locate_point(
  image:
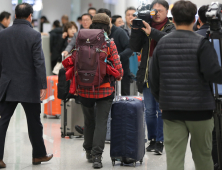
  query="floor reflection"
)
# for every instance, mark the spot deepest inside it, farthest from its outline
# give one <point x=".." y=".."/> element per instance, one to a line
<point x="68" y="153"/>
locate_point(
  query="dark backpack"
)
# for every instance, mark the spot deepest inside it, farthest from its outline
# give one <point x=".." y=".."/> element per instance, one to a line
<point x="91" y="53"/>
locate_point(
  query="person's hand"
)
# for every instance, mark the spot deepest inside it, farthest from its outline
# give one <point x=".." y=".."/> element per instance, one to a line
<point x="65" y="53"/>
<point x="119" y="79"/>
<point x="147" y="30"/>
<point x="42" y="94"/>
<point x="131" y="21"/>
<point x="64" y="35"/>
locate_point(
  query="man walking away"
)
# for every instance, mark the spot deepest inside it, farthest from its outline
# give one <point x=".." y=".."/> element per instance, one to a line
<point x="23" y="80"/>
<point x="183" y="67"/>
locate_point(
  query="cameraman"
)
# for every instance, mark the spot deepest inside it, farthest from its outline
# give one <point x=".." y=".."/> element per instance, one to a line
<point x="203" y="21"/>
<point x="183" y="67"/>
<point x="146" y="42"/>
<point x="203" y="31"/>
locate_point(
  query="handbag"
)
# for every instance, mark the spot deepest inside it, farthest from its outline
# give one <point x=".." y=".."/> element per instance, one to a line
<point x="57" y="67"/>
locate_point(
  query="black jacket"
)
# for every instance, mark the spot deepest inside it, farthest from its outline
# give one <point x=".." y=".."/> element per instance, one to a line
<point x="60" y="47"/>
<point x="55" y="36"/>
<point x="2" y="27"/>
<point x="183" y="67"/>
<point x="203" y="30"/>
<point x="121" y="40"/>
<point x="139" y="41"/>
<point x="23" y="63"/>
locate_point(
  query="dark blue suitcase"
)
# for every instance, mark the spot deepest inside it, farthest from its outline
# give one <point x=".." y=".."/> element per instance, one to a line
<point x="127" y="131"/>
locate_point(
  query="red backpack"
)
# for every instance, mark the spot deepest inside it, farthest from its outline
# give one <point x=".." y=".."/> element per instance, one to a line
<point x="90" y="54"/>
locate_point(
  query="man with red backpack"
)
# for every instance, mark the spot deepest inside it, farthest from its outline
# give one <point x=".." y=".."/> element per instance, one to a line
<point x="93" y="68"/>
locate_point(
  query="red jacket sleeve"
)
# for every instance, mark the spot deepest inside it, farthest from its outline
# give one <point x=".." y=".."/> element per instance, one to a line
<point x="115" y="58"/>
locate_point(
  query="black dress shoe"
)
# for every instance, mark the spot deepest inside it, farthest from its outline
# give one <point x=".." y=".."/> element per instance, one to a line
<point x="37" y="161"/>
<point x="2" y="164"/>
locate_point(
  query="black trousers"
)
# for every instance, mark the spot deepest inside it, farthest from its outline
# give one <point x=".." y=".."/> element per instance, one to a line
<point x="35" y="128"/>
<point x="96" y="112"/>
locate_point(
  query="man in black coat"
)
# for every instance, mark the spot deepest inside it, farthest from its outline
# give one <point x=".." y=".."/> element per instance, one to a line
<point x="182" y="71"/>
<point x="23" y="80"/>
<point x="121" y="40"/>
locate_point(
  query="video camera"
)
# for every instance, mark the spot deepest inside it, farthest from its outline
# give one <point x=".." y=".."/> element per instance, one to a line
<point x="214" y="16"/>
<point x="145" y="13"/>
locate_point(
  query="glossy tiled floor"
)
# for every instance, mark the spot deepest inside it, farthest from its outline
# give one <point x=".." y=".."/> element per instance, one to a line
<point x="68" y="153"/>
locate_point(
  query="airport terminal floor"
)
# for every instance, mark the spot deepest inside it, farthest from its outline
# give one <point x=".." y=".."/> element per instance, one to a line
<point x="68" y="153"/>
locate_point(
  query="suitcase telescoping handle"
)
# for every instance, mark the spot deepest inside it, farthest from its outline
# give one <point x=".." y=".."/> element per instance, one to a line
<point x="117" y="90"/>
<point x="63" y="58"/>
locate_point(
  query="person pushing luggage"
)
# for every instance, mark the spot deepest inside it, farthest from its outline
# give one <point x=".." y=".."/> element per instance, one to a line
<point x="93" y="68"/>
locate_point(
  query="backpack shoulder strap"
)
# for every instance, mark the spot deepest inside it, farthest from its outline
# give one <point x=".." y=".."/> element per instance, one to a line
<point x="108" y="43"/>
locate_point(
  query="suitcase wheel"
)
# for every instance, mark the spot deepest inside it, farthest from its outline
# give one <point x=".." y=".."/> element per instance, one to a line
<point x="58" y="116"/>
<point x="45" y="116"/>
<point x="62" y="135"/>
<point x="113" y="162"/>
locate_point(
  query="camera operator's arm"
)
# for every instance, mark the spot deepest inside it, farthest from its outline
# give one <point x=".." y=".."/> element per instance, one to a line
<point x="156" y="34"/>
<point x="124" y="41"/>
<point x="209" y="64"/>
<point x="154" y="75"/>
<point x="137" y="40"/>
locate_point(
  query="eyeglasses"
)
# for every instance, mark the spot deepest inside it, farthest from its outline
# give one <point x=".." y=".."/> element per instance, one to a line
<point x="86" y="20"/>
<point x="159" y="10"/>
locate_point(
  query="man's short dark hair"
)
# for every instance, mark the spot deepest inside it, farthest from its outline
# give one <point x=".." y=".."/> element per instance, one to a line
<point x="79" y="18"/>
<point x="22" y="11"/>
<point x="92" y="8"/>
<point x="106" y="11"/>
<point x="87" y="14"/>
<point x="202" y="13"/>
<point x="161" y="2"/>
<point x="115" y="17"/>
<point x="184" y="12"/>
<point x="130" y="8"/>
<point x="56" y="23"/>
<point x="3" y="15"/>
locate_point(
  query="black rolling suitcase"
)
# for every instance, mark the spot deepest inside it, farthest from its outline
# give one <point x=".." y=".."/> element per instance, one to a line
<point x="127" y="130"/>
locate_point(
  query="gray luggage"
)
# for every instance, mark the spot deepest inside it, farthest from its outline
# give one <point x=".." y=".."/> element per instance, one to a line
<point x="71" y="116"/>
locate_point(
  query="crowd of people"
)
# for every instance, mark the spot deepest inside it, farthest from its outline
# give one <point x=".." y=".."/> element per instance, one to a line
<point x="176" y="69"/>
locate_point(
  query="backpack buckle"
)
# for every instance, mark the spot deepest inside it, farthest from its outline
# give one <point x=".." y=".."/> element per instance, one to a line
<point x="98" y="50"/>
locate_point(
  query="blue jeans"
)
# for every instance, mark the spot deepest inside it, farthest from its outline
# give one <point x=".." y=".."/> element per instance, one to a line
<point x="153" y="115"/>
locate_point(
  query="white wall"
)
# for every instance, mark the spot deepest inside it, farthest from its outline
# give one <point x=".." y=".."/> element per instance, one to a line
<point x="6" y="5"/>
<point x="54" y="9"/>
<point x="95" y="3"/>
<point x="199" y="3"/>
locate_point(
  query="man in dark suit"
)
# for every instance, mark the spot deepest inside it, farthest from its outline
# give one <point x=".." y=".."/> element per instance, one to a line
<point x="23" y="80"/>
